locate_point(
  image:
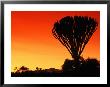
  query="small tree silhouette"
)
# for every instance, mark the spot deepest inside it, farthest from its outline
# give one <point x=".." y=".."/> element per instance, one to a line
<point x="74" y="33"/>
<point x="23" y="69"/>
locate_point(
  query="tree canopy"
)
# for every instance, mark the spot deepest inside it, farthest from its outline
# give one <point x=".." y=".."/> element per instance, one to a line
<point x="74" y="32"/>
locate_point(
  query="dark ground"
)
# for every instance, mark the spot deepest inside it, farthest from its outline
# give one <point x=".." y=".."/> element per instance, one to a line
<point x="86" y="68"/>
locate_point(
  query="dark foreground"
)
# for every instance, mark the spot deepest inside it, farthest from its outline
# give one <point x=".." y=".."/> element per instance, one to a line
<point x="86" y="68"/>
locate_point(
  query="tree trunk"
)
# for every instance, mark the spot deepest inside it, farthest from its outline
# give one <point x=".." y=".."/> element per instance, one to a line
<point x="76" y="61"/>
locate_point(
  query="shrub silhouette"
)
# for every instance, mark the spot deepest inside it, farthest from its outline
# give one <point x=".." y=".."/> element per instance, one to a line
<point x="87" y="67"/>
<point x="91" y="67"/>
<point x="74" y="33"/>
<point x="68" y="65"/>
<point x="22" y="69"/>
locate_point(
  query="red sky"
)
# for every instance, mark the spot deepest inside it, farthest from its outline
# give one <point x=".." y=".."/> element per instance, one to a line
<point x="33" y="44"/>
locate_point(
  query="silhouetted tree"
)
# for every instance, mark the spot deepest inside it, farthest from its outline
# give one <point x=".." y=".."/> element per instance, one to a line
<point x="37" y="68"/>
<point x="74" y="33"/>
<point x="23" y="68"/>
<point x="15" y="69"/>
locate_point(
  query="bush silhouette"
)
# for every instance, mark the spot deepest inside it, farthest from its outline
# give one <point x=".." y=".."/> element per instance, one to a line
<point x="87" y="67"/>
<point x="91" y="66"/>
<point x="68" y="65"/>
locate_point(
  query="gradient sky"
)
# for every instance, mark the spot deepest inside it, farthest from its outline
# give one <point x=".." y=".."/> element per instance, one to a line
<point x="33" y="44"/>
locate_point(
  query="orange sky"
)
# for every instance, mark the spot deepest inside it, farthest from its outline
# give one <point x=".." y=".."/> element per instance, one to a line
<point x="33" y="44"/>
